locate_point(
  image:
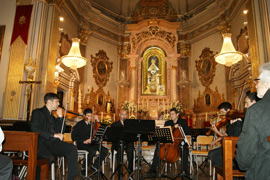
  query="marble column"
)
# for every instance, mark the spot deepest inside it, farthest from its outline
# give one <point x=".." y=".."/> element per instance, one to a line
<point x="132" y="88"/>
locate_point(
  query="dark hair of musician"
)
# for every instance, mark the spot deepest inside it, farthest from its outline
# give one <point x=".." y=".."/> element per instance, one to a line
<point x="87" y="110"/>
<point x="225" y="105"/>
<point x="252" y="96"/>
<point x="50" y="96"/>
<point x="175" y="110"/>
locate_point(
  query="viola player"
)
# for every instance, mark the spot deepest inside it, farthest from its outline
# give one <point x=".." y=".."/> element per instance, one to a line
<point x="81" y="134"/>
<point x="50" y="137"/>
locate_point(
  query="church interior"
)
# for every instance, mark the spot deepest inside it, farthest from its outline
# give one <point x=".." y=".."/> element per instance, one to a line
<point x="145" y="56"/>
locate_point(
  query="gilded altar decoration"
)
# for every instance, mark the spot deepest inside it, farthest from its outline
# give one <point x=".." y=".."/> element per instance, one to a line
<point x="177" y="106"/>
<point x="101" y="68"/>
<point x="30" y="67"/>
<point x="154" y="72"/>
<point x="107" y="120"/>
<point x="156" y="32"/>
<point x="206" y="67"/>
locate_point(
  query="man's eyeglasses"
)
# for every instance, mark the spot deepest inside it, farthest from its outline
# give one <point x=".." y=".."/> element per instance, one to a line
<point x="256" y="81"/>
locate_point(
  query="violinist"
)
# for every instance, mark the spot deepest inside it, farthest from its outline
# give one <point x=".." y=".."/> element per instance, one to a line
<point x="233" y="128"/>
<point x="128" y="146"/>
<point x="175" y="122"/>
<point x="50" y="138"/>
<point x="81" y="134"/>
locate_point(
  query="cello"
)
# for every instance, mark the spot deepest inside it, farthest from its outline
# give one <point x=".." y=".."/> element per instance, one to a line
<point x="170" y="152"/>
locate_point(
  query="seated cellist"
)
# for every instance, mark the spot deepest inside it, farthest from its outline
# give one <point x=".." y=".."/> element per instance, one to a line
<point x="175" y="121"/>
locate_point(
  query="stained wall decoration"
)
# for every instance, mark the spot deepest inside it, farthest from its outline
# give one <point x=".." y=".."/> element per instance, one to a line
<point x="102" y="68"/>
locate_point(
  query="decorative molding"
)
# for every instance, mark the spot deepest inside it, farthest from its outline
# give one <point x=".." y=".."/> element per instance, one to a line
<point x="208" y="101"/>
<point x="156" y="32"/>
<point x="101" y="68"/>
<point x="242" y="41"/>
<point x="206" y="67"/>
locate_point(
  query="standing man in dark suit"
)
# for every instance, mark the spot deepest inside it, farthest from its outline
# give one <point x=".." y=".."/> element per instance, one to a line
<point x="128" y="147"/>
<point x="253" y="148"/>
<point x="50" y="142"/>
<point x="175" y="121"/>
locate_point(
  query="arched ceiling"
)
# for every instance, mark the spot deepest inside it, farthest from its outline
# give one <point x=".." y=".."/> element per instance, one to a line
<point x="118" y="9"/>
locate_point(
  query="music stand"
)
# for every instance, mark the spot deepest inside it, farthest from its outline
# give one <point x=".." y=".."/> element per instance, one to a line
<point x="116" y="135"/>
<point x="98" y="139"/>
<point x="162" y="135"/>
<point x="184" y="141"/>
<point x="139" y="127"/>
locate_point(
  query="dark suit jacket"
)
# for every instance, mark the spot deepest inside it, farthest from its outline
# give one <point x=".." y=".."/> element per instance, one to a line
<point x="46" y="124"/>
<point x="181" y="122"/>
<point x="253" y="148"/>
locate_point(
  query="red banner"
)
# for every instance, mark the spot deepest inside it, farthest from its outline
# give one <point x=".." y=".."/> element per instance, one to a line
<point x="21" y="23"/>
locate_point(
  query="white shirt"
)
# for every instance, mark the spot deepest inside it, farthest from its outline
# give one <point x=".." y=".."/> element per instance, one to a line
<point x="2" y="137"/>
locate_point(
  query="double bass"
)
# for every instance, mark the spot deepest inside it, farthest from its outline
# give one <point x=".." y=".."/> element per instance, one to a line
<point x="170" y="152"/>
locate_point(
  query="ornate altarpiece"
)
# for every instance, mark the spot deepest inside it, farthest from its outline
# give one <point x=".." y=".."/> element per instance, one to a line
<point x="153" y="44"/>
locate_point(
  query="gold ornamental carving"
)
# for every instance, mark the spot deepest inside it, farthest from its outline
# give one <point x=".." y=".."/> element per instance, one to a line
<point x="206" y="67"/>
<point x="102" y="68"/>
<point x="208" y="101"/>
<point x="153" y="31"/>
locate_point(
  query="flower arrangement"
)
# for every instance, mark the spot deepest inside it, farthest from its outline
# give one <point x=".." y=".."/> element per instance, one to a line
<point x="129" y="106"/>
<point x="177" y="106"/>
<point x="107" y="120"/>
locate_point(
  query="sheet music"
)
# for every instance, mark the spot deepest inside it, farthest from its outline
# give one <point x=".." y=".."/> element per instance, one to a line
<point x="183" y="135"/>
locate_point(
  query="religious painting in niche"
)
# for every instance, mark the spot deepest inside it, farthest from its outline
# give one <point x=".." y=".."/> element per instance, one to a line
<point x="206" y="67"/>
<point x="102" y="68"/>
<point x="100" y="99"/>
<point x="207" y="100"/>
<point x="243" y="41"/>
<point x="153" y="72"/>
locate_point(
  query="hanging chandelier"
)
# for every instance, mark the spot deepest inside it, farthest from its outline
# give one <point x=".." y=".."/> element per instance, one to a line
<point x="74" y="58"/>
<point x="228" y="55"/>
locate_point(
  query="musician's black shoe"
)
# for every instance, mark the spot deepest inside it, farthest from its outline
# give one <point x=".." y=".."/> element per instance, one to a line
<point x="151" y="172"/>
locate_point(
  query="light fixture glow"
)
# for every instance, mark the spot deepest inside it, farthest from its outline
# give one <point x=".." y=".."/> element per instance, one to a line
<point x="245" y="11"/>
<point x="228" y="55"/>
<point x="74" y="58"/>
<point x="61" y="18"/>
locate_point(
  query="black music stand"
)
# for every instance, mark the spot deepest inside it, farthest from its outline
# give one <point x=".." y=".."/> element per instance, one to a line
<point x="116" y="135"/>
<point x="184" y="141"/>
<point x="139" y="127"/>
<point x="162" y="135"/>
<point x="98" y="139"/>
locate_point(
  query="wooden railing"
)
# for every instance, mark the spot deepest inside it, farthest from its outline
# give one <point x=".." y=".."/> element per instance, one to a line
<point x="26" y="141"/>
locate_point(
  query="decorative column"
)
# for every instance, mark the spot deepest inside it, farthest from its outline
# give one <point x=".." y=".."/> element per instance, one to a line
<point x="133" y="65"/>
<point x="173" y="79"/>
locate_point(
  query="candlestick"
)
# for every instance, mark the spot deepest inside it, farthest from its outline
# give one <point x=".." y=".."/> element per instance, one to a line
<point x="205" y="116"/>
<point x="113" y="117"/>
<point x="101" y="116"/>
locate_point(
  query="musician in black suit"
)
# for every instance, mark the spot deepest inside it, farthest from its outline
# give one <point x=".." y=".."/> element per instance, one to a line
<point x="50" y="137"/>
<point x="128" y="146"/>
<point x="81" y="134"/>
<point x="175" y="121"/>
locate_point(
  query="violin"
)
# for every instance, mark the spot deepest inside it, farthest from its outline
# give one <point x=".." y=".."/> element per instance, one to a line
<point x="232" y="114"/>
<point x="170" y="152"/>
<point x="69" y="114"/>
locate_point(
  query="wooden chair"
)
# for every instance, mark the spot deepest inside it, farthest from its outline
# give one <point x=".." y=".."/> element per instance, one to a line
<point x="229" y="148"/>
<point x="26" y="141"/>
<point x="203" y="141"/>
